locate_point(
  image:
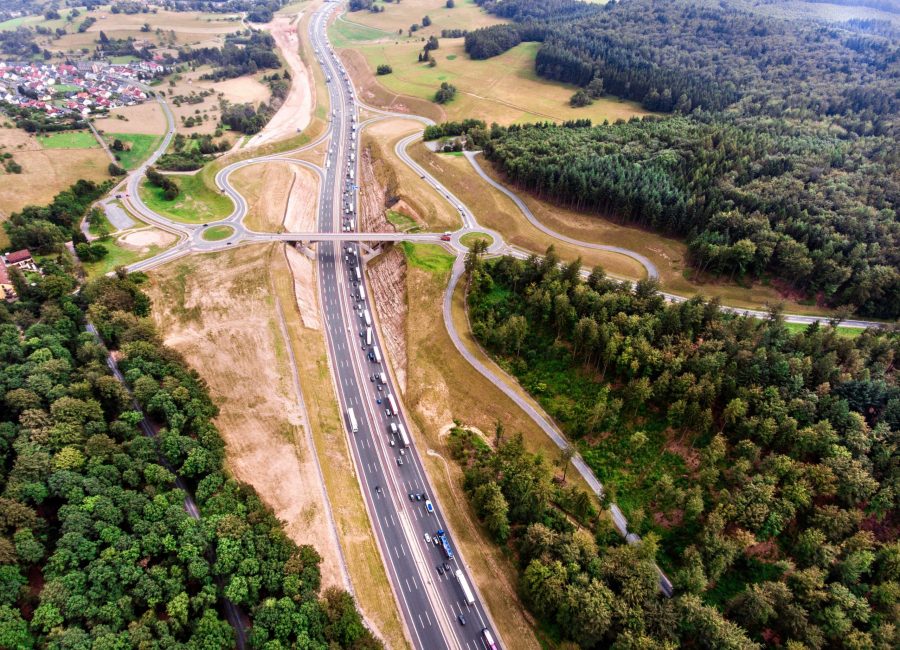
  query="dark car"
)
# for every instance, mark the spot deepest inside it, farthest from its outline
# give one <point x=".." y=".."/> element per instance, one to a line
<point x="461" y="619"/>
<point x="447" y="567"/>
<point x="440" y="570"/>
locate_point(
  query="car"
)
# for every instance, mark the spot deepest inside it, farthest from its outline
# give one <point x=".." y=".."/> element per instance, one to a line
<point x="391" y="441"/>
<point x="440" y="570"/>
<point x="447" y="567"/>
<point x="378" y="489"/>
<point x="418" y="497"/>
<point x="445" y="236"/>
<point x="399" y="460"/>
<point x="461" y="619"/>
<point x="436" y="540"/>
<point x="427" y="538"/>
<point x="412" y="497"/>
<point x="402" y="452"/>
<point x="429" y="507"/>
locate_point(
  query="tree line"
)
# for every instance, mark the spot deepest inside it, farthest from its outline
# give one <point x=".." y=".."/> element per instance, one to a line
<point x="243" y="53"/>
<point x="258" y="11"/>
<point x="683" y="55"/>
<point x="759" y="464"/>
<point x="753" y="196"/>
<point x="44" y="230"/>
<point x="96" y="547"/>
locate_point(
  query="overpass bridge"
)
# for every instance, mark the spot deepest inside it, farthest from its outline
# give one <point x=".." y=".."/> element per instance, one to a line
<point x="354" y="237"/>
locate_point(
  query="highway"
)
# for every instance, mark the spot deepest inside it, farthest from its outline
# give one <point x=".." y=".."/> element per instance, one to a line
<point x="430" y="601"/>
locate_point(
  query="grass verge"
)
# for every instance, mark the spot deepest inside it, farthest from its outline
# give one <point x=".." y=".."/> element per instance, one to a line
<point x="218" y="233"/>
<point x="497" y="212"/>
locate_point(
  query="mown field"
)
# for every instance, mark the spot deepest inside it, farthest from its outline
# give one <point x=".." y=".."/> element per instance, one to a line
<point x="504" y="89"/>
<point x="68" y="140"/>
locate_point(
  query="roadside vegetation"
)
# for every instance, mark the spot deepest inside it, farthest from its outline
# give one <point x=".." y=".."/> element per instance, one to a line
<point x="755" y="462"/>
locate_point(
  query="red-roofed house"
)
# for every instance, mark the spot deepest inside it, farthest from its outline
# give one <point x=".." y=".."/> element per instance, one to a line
<point x="21" y="259"/>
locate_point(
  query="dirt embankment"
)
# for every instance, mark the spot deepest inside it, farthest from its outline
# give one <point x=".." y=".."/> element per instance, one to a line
<point x="374" y="94"/>
<point x="387" y="279"/>
<point x="378" y="184"/>
<point x="302" y="202"/>
<point x="381" y="190"/>
<point x="296" y="111"/>
<point x="304" y="287"/>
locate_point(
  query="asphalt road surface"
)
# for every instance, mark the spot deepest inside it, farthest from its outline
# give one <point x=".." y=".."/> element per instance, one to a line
<point x="431" y="602"/>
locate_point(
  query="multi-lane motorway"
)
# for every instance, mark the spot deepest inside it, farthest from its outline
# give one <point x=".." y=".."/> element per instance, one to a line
<point x="432" y="602"/>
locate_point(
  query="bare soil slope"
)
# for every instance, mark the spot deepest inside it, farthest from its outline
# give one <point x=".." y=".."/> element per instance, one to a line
<point x="387" y="279"/>
<point x="296" y="111"/>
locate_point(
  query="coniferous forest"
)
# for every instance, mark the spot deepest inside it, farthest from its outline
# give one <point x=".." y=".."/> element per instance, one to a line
<point x="758" y="463"/>
<point x="781" y="158"/>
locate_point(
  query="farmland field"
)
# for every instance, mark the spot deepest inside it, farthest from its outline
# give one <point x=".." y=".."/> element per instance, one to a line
<point x="175" y="29"/>
<point x="504" y="89"/>
<point x="140" y="118"/>
<point x="45" y="172"/>
<point x="68" y="140"/>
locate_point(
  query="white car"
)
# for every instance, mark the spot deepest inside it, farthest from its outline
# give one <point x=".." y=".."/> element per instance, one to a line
<point x="427" y="538"/>
<point x="429" y="507"/>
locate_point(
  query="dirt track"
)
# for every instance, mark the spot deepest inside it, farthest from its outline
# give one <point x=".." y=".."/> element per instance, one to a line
<point x="296" y="111"/>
